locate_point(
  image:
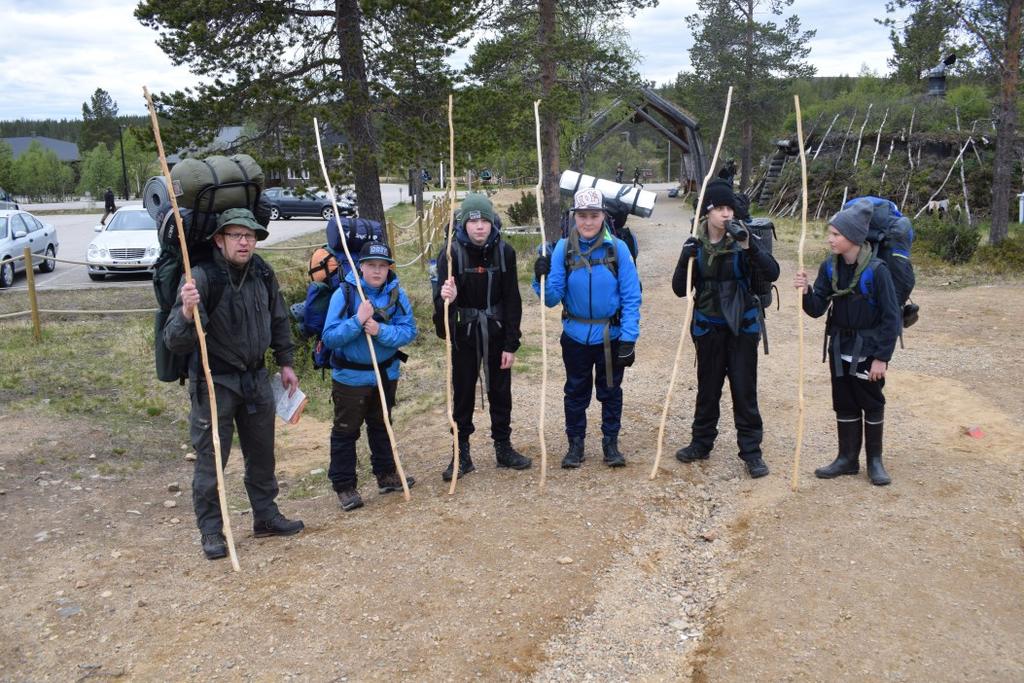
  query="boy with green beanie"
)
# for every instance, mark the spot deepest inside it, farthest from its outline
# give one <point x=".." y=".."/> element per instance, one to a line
<point x="485" y="313"/>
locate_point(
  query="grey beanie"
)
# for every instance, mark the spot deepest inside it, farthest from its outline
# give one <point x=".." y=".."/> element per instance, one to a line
<point x="852" y="223"/>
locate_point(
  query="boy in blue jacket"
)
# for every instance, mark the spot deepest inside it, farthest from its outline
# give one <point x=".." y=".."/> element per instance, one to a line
<point x="592" y="275"/>
<point x="387" y="316"/>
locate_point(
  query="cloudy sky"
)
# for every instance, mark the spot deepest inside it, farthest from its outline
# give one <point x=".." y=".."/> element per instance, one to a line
<point x="57" y="52"/>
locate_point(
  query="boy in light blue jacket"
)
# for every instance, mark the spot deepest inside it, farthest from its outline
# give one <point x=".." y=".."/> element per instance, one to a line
<point x="592" y="275"/>
<point x="387" y="316"/>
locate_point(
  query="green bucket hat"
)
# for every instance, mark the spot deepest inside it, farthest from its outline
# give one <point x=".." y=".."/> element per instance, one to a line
<point x="476" y="206"/>
<point x="244" y="218"/>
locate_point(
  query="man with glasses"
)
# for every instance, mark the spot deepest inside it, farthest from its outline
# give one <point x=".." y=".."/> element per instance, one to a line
<point x="243" y="314"/>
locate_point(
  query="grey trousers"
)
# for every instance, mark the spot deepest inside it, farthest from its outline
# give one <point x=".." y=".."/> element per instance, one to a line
<point x="255" y="422"/>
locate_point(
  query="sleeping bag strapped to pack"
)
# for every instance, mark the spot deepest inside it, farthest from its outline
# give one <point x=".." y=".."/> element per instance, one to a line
<point x="891" y="236"/>
<point x="217" y="183"/>
<point x="356" y="232"/>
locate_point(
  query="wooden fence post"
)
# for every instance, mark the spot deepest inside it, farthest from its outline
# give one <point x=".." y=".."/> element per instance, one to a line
<point x="30" y="278"/>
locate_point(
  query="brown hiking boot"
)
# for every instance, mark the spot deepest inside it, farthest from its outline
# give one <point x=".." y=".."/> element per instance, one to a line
<point x="349" y="499"/>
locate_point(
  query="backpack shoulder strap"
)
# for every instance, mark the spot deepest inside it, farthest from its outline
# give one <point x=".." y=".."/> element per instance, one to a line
<point x="216" y="281"/>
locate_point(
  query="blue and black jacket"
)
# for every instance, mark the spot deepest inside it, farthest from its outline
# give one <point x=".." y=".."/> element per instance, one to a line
<point x="721" y="278"/>
<point x="350" y="357"/>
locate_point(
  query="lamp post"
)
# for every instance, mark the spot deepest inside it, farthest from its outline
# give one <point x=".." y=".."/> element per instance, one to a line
<point x="124" y="167"/>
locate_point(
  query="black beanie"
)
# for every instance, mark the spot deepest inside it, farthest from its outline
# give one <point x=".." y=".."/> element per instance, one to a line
<point x="718" y="193"/>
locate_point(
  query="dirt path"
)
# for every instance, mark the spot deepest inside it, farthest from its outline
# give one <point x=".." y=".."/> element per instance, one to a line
<point x="701" y="573"/>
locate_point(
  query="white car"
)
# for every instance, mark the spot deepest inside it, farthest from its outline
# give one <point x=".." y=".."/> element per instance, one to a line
<point x="20" y="229"/>
<point x="129" y="243"/>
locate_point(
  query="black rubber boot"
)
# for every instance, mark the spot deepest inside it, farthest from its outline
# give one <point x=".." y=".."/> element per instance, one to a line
<point x="574" y="456"/>
<point x="510" y="457"/>
<point x="612" y="456"/>
<point x="873" y="450"/>
<point x="847" y="462"/>
<point x="214" y="546"/>
<point x="465" y="463"/>
<point x="691" y="453"/>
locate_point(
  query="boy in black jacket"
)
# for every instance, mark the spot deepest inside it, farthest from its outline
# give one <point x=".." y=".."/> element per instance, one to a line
<point x="485" y="312"/>
<point x="726" y="325"/>
<point x="862" y="327"/>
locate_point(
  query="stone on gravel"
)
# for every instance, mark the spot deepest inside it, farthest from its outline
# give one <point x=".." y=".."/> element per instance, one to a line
<point x="170" y="503"/>
<point x="565" y="560"/>
<point x="190" y="457"/>
<point x="173" y="487"/>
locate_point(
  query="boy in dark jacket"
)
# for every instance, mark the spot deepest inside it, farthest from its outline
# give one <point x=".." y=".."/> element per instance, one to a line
<point x="485" y="312"/>
<point x="726" y="325"/>
<point x="862" y="328"/>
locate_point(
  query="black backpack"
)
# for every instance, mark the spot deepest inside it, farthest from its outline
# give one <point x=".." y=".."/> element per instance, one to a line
<point x="762" y="230"/>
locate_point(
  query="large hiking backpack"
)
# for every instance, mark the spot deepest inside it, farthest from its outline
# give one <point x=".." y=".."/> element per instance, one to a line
<point x="227" y="183"/>
<point x="891" y="237"/>
<point x="327" y="270"/>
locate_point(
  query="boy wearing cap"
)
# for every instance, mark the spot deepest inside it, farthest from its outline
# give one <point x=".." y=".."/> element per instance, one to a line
<point x="592" y="275"/>
<point x="243" y="315"/>
<point x="485" y="312"/>
<point x="726" y="325"/>
<point x="387" y="316"/>
<point x="862" y="327"/>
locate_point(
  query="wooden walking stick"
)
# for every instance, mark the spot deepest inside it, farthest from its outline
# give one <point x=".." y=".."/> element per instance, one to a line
<point x="362" y="297"/>
<point x="543" y="317"/>
<point x="689" y="283"/>
<point x="799" y="305"/>
<point x="200" y="334"/>
<point x="447" y="304"/>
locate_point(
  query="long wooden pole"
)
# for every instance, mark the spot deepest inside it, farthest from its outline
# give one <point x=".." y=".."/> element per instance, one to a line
<point x="799" y="305"/>
<point x="200" y="334"/>
<point x="362" y="297"/>
<point x="543" y="308"/>
<point x="33" y="303"/>
<point x="447" y="305"/>
<point x="689" y="293"/>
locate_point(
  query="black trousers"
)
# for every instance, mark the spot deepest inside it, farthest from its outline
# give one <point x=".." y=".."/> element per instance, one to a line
<point x="585" y="375"/>
<point x="352" y="407"/>
<point x="256" y="437"/>
<point x="465" y="371"/>
<point x="721" y="354"/>
<point x="852" y="395"/>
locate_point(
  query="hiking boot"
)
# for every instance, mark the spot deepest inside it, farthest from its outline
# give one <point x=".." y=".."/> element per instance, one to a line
<point x="756" y="467"/>
<point x="278" y="525"/>
<point x="392" y="482"/>
<point x="612" y="456"/>
<point x="465" y="463"/>
<point x="510" y="457"/>
<point x="214" y="546"/>
<point x="849" y="432"/>
<point x="691" y="453"/>
<point x="349" y="499"/>
<point x="873" y="449"/>
<point x="574" y="456"/>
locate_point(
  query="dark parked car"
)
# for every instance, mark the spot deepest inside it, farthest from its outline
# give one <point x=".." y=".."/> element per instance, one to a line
<point x="285" y="203"/>
<point x="20" y="229"/>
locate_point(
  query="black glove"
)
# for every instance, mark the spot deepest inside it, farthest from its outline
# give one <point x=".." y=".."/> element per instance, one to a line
<point x="626" y="355"/>
<point x="542" y="266"/>
<point x="690" y="247"/>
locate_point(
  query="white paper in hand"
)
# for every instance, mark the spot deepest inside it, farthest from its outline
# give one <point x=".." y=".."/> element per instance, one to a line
<point x="289" y="408"/>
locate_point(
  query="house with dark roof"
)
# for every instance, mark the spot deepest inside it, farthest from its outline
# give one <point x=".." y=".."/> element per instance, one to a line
<point x="66" y="151"/>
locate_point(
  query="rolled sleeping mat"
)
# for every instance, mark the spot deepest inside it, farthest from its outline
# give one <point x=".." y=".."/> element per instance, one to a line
<point x="639" y="202"/>
<point x="208" y="181"/>
<point x="155" y="197"/>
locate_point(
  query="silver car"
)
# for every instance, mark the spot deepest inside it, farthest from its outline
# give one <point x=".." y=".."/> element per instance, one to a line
<point x="20" y="229"/>
<point x="129" y="243"/>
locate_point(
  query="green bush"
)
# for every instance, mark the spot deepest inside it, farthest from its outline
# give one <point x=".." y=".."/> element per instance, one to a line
<point x="523" y="212"/>
<point x="1005" y="258"/>
<point x="949" y="240"/>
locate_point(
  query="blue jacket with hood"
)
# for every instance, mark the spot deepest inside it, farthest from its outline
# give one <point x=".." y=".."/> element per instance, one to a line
<point x="595" y="292"/>
<point x="345" y="337"/>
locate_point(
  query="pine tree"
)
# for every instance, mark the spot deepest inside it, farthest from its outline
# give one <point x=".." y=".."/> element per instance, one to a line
<point x="99" y="121"/>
